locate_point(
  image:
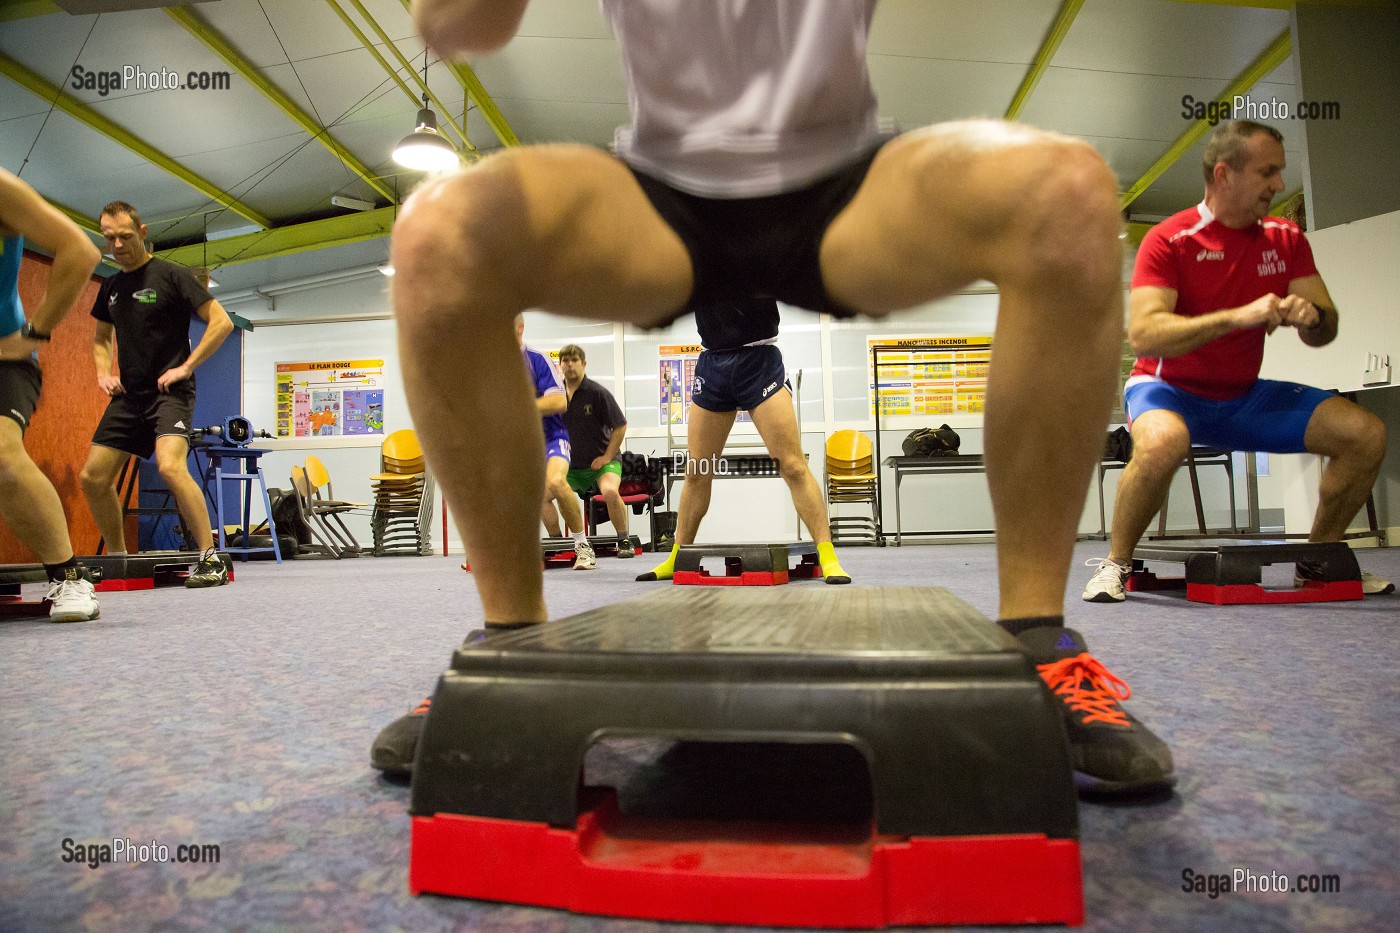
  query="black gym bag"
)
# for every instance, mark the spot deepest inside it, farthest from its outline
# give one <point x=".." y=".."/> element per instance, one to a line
<point x="932" y="442"/>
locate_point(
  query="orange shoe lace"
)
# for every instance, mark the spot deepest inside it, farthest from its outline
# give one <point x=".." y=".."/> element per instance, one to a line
<point x="422" y="708"/>
<point x="1089" y="688"/>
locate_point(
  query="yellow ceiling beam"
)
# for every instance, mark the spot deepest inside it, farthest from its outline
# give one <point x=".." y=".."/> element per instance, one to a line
<point x="1069" y="9"/>
<point x="1137" y="230"/>
<point x="1273" y="56"/>
<point x="408" y="67"/>
<point x="284" y="241"/>
<point x="476" y="93"/>
<point x="23" y="9"/>
<point x="225" y="50"/>
<point x="82" y="220"/>
<point x="1286" y="201"/>
<point x="81" y="112"/>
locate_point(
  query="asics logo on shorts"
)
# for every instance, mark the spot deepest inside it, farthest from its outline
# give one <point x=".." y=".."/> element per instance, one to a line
<point x="19" y="417"/>
<point x="771" y="387"/>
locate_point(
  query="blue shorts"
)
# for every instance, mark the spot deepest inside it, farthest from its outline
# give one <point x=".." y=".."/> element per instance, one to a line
<point x="1271" y="417"/>
<point x="556" y="447"/>
<point x="738" y="379"/>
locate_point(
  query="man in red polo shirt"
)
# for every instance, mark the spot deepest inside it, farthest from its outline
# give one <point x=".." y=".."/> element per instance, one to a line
<point x="1210" y="284"/>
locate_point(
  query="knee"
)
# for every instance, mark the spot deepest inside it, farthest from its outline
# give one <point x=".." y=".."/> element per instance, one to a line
<point x="11" y="464"/>
<point x="1157" y="455"/>
<point x="793" y="468"/>
<point x="172" y="471"/>
<point x="1066" y="221"/>
<point x="93" y="482"/>
<point x="459" y="245"/>
<point x="1369" y="442"/>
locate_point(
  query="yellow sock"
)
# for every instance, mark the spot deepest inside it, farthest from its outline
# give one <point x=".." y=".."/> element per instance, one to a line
<point x="831" y="567"/>
<point x="664" y="570"/>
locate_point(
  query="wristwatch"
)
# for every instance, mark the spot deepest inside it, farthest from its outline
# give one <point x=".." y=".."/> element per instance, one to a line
<point x="27" y="331"/>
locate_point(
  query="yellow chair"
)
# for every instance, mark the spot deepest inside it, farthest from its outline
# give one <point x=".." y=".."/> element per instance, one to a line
<point x="850" y="478"/>
<point x="403" y="497"/>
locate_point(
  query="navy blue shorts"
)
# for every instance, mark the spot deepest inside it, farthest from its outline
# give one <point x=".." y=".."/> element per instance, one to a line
<point x="1271" y="417"/>
<point x="738" y="379"/>
<point x="556" y="447"/>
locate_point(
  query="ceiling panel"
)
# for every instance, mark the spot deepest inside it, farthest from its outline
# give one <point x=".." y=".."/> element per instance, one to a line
<point x="1162" y="37"/>
<point x="1008" y="31"/>
<point x="555" y="69"/>
<point x="919" y="91"/>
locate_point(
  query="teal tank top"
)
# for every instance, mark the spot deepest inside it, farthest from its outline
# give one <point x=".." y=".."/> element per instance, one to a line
<point x="11" y="311"/>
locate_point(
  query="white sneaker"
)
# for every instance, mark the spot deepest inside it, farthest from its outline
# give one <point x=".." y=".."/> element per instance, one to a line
<point x="1372" y="585"/>
<point x="1106" y="585"/>
<point x="72" y="601"/>
<point x="584" y="558"/>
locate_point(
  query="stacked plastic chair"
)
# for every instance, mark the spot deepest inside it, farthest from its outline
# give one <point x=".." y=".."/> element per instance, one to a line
<point x="850" y="477"/>
<point x="403" y="498"/>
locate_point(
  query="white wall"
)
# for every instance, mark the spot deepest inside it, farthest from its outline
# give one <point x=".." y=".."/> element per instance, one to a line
<point x="831" y="355"/>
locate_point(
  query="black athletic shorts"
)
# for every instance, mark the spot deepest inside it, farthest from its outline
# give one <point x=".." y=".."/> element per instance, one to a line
<point x="767" y="246"/>
<point x="133" y="422"/>
<point x="20" y="381"/>
<point x="739" y="379"/>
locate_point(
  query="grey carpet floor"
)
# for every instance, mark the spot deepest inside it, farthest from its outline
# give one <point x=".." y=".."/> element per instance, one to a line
<point x="242" y="717"/>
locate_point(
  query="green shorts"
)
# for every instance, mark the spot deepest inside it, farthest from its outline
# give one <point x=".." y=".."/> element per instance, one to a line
<point x="580" y="481"/>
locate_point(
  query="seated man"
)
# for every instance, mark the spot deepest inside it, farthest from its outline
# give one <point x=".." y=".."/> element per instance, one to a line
<point x="740" y="367"/>
<point x="28" y="501"/>
<point x="596" y="430"/>
<point x="1209" y="285"/>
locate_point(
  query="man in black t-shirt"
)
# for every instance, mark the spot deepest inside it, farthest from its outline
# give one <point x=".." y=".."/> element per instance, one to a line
<point x="147" y="307"/>
<point x="596" y="429"/>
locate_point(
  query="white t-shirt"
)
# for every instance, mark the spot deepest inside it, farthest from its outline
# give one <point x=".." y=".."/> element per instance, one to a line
<point x="744" y="98"/>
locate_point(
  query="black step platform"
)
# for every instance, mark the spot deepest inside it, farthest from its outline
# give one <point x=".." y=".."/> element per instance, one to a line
<point x="12" y="604"/>
<point x="746" y="564"/>
<point x="559" y="552"/>
<point x="147" y="570"/>
<point x="1229" y="572"/>
<point x="975" y="820"/>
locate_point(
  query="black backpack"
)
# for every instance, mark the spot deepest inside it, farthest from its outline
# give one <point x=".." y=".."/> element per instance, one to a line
<point x="932" y="442"/>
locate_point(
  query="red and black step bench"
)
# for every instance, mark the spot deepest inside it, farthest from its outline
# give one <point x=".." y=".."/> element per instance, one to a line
<point x="746" y="564"/>
<point x="973" y="814"/>
<point x="147" y="570"/>
<point x="1230" y="571"/>
<point x="12" y="604"/>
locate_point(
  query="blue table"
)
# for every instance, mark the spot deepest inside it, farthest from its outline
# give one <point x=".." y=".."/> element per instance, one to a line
<point x="241" y="471"/>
